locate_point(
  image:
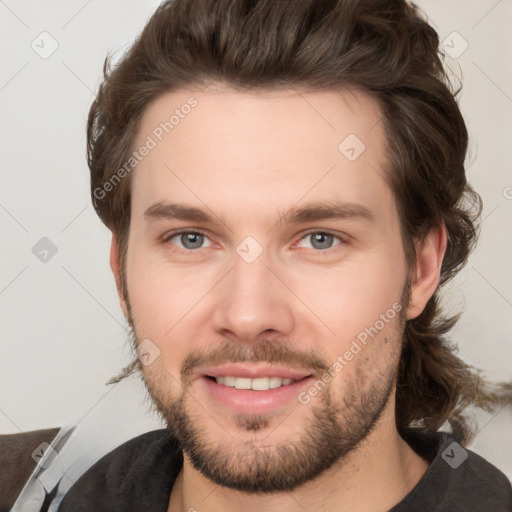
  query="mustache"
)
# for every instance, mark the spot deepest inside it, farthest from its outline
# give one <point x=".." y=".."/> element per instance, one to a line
<point x="268" y="351"/>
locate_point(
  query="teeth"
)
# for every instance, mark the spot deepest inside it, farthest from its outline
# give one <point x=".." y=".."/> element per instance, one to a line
<point x="228" y="381"/>
<point x="259" y="384"/>
<point x="242" y="383"/>
<point x="275" y="382"/>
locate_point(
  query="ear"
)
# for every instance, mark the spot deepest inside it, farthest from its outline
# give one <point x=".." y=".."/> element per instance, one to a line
<point x="116" y="270"/>
<point x="429" y="258"/>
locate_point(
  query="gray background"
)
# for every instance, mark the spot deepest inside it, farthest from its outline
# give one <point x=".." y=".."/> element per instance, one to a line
<point x="62" y="331"/>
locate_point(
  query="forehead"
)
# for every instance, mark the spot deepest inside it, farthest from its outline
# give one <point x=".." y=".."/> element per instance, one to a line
<point x="265" y="149"/>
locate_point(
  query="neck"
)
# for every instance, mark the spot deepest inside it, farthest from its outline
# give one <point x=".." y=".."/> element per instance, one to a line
<point x="374" y="477"/>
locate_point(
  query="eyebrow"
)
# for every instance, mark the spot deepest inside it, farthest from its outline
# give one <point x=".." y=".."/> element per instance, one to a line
<point x="322" y="210"/>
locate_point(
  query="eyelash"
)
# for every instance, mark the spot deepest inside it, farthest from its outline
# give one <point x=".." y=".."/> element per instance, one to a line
<point x="341" y="239"/>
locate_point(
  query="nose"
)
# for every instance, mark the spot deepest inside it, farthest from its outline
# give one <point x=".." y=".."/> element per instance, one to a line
<point x="253" y="302"/>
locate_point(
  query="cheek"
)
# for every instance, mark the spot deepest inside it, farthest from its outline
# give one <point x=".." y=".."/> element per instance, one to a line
<point x="166" y="305"/>
<point x="369" y="358"/>
<point x="352" y="297"/>
<point x="157" y="294"/>
<point x="361" y="305"/>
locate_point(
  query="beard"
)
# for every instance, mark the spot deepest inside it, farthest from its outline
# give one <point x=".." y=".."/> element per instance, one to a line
<point x="333" y="429"/>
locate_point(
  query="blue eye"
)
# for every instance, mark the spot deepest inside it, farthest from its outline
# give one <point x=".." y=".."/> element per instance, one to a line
<point x="189" y="239"/>
<point x="321" y="239"/>
<point x="192" y="240"/>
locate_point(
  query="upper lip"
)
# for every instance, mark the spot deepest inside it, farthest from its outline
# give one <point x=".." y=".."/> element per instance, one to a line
<point x="253" y="372"/>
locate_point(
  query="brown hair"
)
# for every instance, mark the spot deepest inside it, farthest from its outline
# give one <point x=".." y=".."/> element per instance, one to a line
<point x="383" y="47"/>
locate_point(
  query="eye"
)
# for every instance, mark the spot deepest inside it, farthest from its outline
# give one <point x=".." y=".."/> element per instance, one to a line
<point x="322" y="239"/>
<point x="189" y="240"/>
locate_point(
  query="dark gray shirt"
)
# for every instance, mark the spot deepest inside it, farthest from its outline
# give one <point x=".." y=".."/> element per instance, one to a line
<point x="138" y="476"/>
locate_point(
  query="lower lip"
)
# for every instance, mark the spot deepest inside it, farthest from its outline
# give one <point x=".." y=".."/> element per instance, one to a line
<point x="250" y="401"/>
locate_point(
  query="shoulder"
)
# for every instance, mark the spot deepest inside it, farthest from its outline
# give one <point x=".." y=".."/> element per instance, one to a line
<point x="457" y="479"/>
<point x="139" y="470"/>
<point x="480" y="484"/>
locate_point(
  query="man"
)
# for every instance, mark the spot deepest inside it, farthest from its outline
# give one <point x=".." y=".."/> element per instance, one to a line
<point x="285" y="185"/>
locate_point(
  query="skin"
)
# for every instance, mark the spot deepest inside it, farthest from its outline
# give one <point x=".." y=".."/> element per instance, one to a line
<point x="246" y="158"/>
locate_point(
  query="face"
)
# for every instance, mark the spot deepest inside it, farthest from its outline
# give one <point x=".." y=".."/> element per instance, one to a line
<point x="265" y="276"/>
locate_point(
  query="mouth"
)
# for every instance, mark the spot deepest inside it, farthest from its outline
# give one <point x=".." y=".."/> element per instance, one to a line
<point x="249" y="390"/>
<point x="257" y="384"/>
